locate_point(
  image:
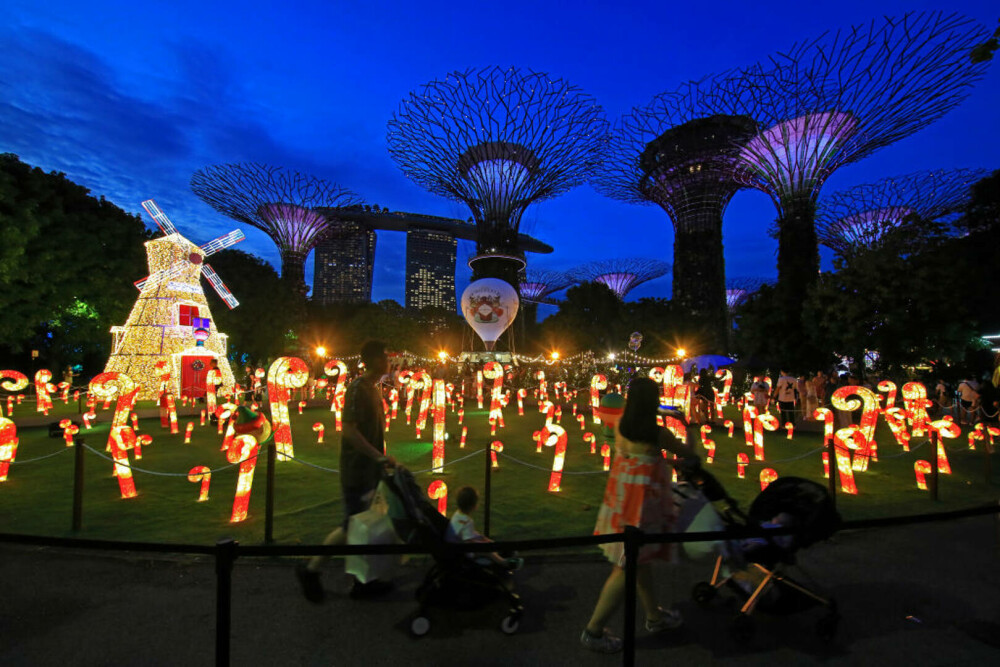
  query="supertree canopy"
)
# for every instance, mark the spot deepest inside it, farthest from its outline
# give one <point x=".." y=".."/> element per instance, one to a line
<point x="536" y="284"/>
<point x="738" y="290"/>
<point x="498" y="140"/>
<point x="673" y="153"/>
<point x="277" y="201"/>
<point x="834" y="100"/>
<point x="859" y="217"/>
<point x="620" y="275"/>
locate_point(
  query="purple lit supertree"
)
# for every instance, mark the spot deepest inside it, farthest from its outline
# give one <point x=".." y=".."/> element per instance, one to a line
<point x="859" y="217"/>
<point x="277" y="201"/>
<point x="620" y="275"/>
<point x="673" y="153"/>
<point x="832" y="101"/>
<point x="498" y="140"/>
<point x="536" y="284"/>
<point x="738" y="290"/>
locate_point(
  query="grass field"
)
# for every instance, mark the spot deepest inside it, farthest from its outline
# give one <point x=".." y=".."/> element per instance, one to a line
<point x="37" y="496"/>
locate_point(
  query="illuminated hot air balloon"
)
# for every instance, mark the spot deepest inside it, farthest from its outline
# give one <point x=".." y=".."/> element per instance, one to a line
<point x="489" y="306"/>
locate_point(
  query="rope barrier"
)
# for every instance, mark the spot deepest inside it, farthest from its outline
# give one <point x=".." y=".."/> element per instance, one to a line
<point x="42" y="458"/>
<point x="155" y="472"/>
<point x="565" y="472"/>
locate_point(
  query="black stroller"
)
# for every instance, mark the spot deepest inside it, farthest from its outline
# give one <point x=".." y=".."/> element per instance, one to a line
<point x="455" y="581"/>
<point x="754" y="568"/>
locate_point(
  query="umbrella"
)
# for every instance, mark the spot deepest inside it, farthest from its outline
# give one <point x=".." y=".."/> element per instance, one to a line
<point x="706" y="360"/>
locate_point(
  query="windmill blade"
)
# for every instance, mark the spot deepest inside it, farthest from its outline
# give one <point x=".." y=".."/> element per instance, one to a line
<point x="159" y="216"/>
<point x="219" y="286"/>
<point x="232" y="238"/>
<point x="172" y="271"/>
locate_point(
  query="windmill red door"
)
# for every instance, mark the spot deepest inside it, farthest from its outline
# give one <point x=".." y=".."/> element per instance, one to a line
<point x="194" y="370"/>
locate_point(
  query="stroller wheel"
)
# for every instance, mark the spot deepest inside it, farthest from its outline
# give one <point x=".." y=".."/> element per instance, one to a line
<point x="826" y="627"/>
<point x="510" y="624"/>
<point x="703" y="592"/>
<point x="420" y="626"/>
<point x="742" y="628"/>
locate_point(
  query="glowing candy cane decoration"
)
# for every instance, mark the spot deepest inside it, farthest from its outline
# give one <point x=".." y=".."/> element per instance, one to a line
<point x="842" y="444"/>
<point x="555" y="436"/>
<point x="725" y="397"/>
<point x="494" y="371"/>
<point x="676" y="426"/>
<point x="42" y="388"/>
<point x="438" y="491"/>
<point x="922" y="469"/>
<point x="89" y="417"/>
<point x="521" y="393"/>
<point x="896" y="419"/>
<point x="888" y="387"/>
<point x="135" y="422"/>
<point x="945" y="429"/>
<point x="440" y="405"/>
<point x="826" y="416"/>
<point x="598" y="383"/>
<point x="285" y="374"/>
<point x="204" y="475"/>
<point x="915" y="400"/>
<point x="172" y="412"/>
<point x="422" y="382"/>
<point x="319" y="429"/>
<point x="673" y="377"/>
<point x="495" y="448"/>
<point x="64" y="391"/>
<point x="606" y="453"/>
<point x="69" y="430"/>
<point x="12" y="381"/>
<point x="243" y="450"/>
<point x="592" y="439"/>
<point x="767" y="475"/>
<point x="143" y="440"/>
<point x="187" y="433"/>
<point x="730" y="426"/>
<point x="583" y="421"/>
<point x="465" y="432"/>
<point x="977" y="433"/>
<point x="542" y="392"/>
<point x="302" y="404"/>
<point x="762" y="423"/>
<point x="862" y="448"/>
<point x="335" y="368"/>
<point x="749" y="417"/>
<point x="826" y="465"/>
<point x="8" y="444"/>
<point x="790" y="428"/>
<point x="122" y="440"/>
<point x="105" y="386"/>
<point x="869" y="415"/>
<point x="204" y="414"/>
<point x="742" y="461"/>
<point x="212" y="381"/>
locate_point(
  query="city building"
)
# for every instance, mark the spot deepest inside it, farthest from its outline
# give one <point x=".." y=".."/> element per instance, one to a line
<point x="430" y="269"/>
<point x="343" y="266"/>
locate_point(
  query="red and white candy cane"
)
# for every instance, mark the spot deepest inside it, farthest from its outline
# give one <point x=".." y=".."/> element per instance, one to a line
<point x="141" y="441"/>
<point x="583" y="422"/>
<point x="542" y="390"/>
<point x="404" y="378"/>
<point x="749" y="417"/>
<point x="825" y="415"/>
<point x="12" y="381"/>
<point x="213" y="379"/>
<point x="88" y="417"/>
<point x="896" y="419"/>
<point x="465" y="432"/>
<point x="440" y="408"/>
<point x="521" y="393"/>
<point x="555" y="436"/>
<point x="790" y="429"/>
<point x="862" y="448"/>
<point x="8" y="445"/>
<point x="730" y="426"/>
<point x="172" y="412"/>
<point x="762" y="423"/>
<point x="421" y="382"/>
<point x="43" y="389"/>
<point x="319" y="429"/>
<point x="843" y="442"/>
<point x="494" y="371"/>
<point x="204" y="475"/>
<point x="742" y="461"/>
<point x="869" y="414"/>
<point x="438" y="491"/>
<point x="496" y="447"/>
<point x="479" y="389"/>
<point x="592" y="439"/>
<point x="64" y="391"/>
<point x="337" y="371"/>
<point x="123" y="439"/>
<point x="722" y="399"/>
<point x="888" y="387"/>
<point x="915" y="400"/>
<point x="922" y="468"/>
<point x="978" y="433"/>
<point x="677" y="427"/>
<point x="767" y="475"/>
<point x="69" y="430"/>
<point x="945" y="429"/>
<point x="187" y="433"/>
<point x="106" y="386"/>
<point x="302" y="405"/>
<point x="285" y="374"/>
<point x="673" y="377"/>
<point x="598" y="383"/>
<point x="606" y="455"/>
<point x="243" y="450"/>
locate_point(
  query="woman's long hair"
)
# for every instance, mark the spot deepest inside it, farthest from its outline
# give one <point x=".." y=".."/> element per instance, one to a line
<point x="638" y="421"/>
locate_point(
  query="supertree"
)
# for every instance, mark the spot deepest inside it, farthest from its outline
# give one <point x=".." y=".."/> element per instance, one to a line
<point x="831" y="101"/>
<point x="497" y="140"/>
<point x="620" y="275"/>
<point x="277" y="201"/>
<point x="859" y="217"/>
<point x="738" y="290"/>
<point x="536" y="284"/>
<point x="673" y="153"/>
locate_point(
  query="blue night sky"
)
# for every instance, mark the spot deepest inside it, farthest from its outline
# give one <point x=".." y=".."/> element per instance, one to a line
<point x="129" y="99"/>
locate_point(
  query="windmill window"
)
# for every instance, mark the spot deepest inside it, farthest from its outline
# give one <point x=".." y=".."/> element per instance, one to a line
<point x="185" y="313"/>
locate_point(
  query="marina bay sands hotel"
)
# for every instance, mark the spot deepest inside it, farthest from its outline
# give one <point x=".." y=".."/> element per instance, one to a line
<point x="345" y="258"/>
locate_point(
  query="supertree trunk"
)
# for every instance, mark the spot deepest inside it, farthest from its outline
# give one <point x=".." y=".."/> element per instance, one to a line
<point x="293" y="271"/>
<point x="798" y="251"/>
<point x="699" y="281"/>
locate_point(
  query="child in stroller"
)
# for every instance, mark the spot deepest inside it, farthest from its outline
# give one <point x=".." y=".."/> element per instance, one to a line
<point x="455" y="581"/>
<point x="754" y="566"/>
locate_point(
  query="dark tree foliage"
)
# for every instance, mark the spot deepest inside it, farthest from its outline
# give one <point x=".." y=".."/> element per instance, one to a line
<point x="590" y="318"/>
<point x="67" y="264"/>
<point x="979" y="251"/>
<point x="268" y="310"/>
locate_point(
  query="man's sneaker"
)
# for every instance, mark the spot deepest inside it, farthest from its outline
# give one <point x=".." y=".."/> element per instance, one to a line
<point x="606" y="643"/>
<point x="312" y="589"/>
<point x="670" y="619"/>
<point x="372" y="589"/>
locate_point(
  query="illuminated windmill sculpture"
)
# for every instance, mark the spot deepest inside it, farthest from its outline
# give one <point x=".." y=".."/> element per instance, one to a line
<point x="171" y="321"/>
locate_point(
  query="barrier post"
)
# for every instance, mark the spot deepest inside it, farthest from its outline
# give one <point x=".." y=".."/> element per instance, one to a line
<point x="487" y="491"/>
<point x="225" y="554"/>
<point x="987" y="460"/>
<point x="77" y="484"/>
<point x="632" y="542"/>
<point x="933" y="481"/>
<point x="831" y="457"/>
<point x="269" y="495"/>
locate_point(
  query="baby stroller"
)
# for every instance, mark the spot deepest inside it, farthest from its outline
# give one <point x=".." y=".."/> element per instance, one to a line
<point x="755" y="568"/>
<point x="455" y="581"/>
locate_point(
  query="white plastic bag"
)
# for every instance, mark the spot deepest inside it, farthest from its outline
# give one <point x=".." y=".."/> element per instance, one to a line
<point x="372" y="526"/>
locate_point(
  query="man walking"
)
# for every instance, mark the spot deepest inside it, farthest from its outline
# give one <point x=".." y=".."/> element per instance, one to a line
<point x="787" y="393"/>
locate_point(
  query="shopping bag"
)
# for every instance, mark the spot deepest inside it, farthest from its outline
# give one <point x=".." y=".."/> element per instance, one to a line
<point x="373" y="526"/>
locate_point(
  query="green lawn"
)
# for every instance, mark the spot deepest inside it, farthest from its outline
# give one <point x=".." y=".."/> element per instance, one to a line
<point x="37" y="497"/>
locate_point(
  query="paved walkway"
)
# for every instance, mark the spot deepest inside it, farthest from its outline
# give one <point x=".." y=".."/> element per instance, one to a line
<point x="917" y="595"/>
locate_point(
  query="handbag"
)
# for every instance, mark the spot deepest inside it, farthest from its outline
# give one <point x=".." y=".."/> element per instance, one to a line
<point x="373" y="526"/>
